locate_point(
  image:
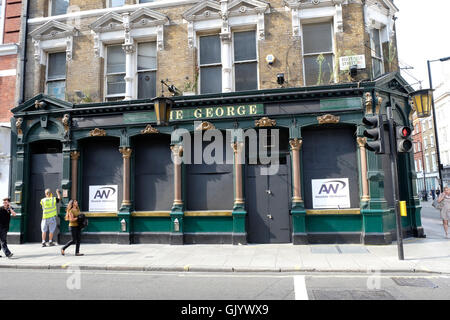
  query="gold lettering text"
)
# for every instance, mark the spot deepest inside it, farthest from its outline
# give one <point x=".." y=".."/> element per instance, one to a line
<point x="198" y="113"/>
<point x="241" y="110"/>
<point x="179" y="114"/>
<point x="252" y="109"/>
<point x="219" y="112"/>
<point x="230" y="111"/>
<point x="209" y="112"/>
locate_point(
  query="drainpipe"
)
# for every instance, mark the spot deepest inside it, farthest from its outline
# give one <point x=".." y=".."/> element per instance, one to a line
<point x="23" y="51"/>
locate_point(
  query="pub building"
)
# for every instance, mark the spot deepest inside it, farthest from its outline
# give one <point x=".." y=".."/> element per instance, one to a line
<point x="120" y="155"/>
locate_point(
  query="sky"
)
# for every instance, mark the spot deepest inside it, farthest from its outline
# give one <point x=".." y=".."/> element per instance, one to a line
<point x="423" y="33"/>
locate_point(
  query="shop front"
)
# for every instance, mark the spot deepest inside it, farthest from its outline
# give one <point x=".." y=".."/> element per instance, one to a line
<point x="270" y="166"/>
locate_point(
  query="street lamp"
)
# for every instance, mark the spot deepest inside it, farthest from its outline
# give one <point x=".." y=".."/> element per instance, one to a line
<point x="421" y="103"/>
<point x="163" y="106"/>
<point x="441" y="182"/>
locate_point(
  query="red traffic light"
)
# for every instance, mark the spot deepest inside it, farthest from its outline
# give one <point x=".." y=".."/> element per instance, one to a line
<point x="406" y="132"/>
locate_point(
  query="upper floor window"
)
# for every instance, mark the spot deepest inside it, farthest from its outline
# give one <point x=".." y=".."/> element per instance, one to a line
<point x="245" y="61"/>
<point x="318" y="53"/>
<point x="210" y="64"/>
<point x="377" y="53"/>
<point x="146" y="70"/>
<point x="56" y="75"/>
<point x="116" y="3"/>
<point x="58" y="7"/>
<point x="115" y="73"/>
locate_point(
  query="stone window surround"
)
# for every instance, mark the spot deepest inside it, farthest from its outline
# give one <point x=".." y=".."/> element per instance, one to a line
<point x="61" y="38"/>
<point x="128" y="30"/>
<point x="224" y="22"/>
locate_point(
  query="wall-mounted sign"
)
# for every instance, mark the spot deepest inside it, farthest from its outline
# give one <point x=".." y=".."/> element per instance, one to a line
<point x="331" y="193"/>
<point x="346" y="62"/>
<point x="103" y="198"/>
<point x="198" y="113"/>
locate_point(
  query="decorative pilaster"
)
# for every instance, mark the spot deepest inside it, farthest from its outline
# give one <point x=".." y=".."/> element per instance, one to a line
<point x="126" y="153"/>
<point x="129" y="51"/>
<point x="177" y="151"/>
<point x="74" y="156"/>
<point x="363" y="159"/>
<point x="238" y="182"/>
<point x="225" y="36"/>
<point x="296" y="145"/>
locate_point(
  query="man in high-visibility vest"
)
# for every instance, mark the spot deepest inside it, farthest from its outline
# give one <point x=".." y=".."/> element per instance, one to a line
<point x="49" y="213"/>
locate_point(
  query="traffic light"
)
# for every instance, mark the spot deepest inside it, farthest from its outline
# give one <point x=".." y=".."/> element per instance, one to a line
<point x="375" y="131"/>
<point x="404" y="143"/>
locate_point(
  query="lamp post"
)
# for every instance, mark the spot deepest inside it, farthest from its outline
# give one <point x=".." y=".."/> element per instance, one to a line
<point x="441" y="182"/>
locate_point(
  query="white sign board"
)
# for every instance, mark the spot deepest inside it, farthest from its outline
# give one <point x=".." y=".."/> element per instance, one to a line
<point x="103" y="198"/>
<point x="331" y="193"/>
<point x="346" y="62"/>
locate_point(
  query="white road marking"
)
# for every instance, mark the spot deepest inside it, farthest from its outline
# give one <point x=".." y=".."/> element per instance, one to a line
<point x="300" y="288"/>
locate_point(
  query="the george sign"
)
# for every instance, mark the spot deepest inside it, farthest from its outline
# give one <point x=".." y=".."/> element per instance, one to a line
<point x="346" y="62"/>
<point x="198" y="113"/>
<point x="331" y="193"/>
<point x="103" y="198"/>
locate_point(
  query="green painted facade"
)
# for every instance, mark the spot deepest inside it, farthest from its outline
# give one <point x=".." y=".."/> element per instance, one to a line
<point x="42" y="119"/>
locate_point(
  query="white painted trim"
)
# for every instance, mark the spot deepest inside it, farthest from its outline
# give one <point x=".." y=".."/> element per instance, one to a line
<point x="8" y="49"/>
<point x="100" y="12"/>
<point x="8" y="73"/>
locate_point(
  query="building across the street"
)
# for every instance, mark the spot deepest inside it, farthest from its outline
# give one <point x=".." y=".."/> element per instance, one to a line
<point x="282" y="86"/>
<point x="442" y="103"/>
<point x="10" y="22"/>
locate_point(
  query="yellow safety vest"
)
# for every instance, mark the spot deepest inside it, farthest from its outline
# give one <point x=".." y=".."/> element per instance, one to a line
<point x="48" y="207"/>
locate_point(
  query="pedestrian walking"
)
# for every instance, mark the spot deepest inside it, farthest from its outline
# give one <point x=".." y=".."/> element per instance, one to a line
<point x="72" y="213"/>
<point x="49" y="213"/>
<point x="444" y="200"/>
<point x="5" y="215"/>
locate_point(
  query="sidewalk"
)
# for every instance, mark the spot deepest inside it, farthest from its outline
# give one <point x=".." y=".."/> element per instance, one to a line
<point x="421" y="255"/>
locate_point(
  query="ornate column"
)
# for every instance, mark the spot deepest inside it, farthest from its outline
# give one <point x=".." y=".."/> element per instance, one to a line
<point x="363" y="161"/>
<point x="296" y="145"/>
<point x="177" y="151"/>
<point x="239" y="213"/>
<point x="128" y="47"/>
<point x="74" y="156"/>
<point x="238" y="189"/>
<point x="225" y="36"/>
<point x="299" y="235"/>
<point x="126" y="153"/>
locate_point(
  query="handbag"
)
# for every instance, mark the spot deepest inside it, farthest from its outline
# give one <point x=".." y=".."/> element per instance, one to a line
<point x="437" y="205"/>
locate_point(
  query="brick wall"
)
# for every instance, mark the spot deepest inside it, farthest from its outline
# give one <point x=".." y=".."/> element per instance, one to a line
<point x="177" y="61"/>
<point x="9" y="62"/>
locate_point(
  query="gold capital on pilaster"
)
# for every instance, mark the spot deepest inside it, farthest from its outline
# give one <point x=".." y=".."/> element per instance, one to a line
<point x="296" y="144"/>
<point x="237" y="147"/>
<point x="126" y="152"/>
<point x="361" y="142"/>
<point x="75" y="155"/>
<point x="177" y="150"/>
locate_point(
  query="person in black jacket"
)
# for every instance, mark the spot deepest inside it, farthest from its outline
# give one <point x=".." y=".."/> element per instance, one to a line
<point x="5" y="215"/>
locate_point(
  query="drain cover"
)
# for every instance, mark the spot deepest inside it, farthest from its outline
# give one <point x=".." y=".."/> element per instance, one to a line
<point x="352" y="295"/>
<point x="414" y="282"/>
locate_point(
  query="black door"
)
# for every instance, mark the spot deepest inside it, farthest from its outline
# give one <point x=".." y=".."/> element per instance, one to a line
<point x="330" y="152"/>
<point x="46" y="172"/>
<point x="268" y="205"/>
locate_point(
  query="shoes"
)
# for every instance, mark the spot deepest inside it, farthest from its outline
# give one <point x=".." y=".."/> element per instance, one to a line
<point x="43" y="244"/>
<point x="79" y="254"/>
<point x="51" y="244"/>
<point x="62" y="251"/>
<point x="9" y="255"/>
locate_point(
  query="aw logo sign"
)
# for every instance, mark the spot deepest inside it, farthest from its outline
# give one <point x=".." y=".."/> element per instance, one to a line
<point x="103" y="198"/>
<point x="331" y="193"/>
